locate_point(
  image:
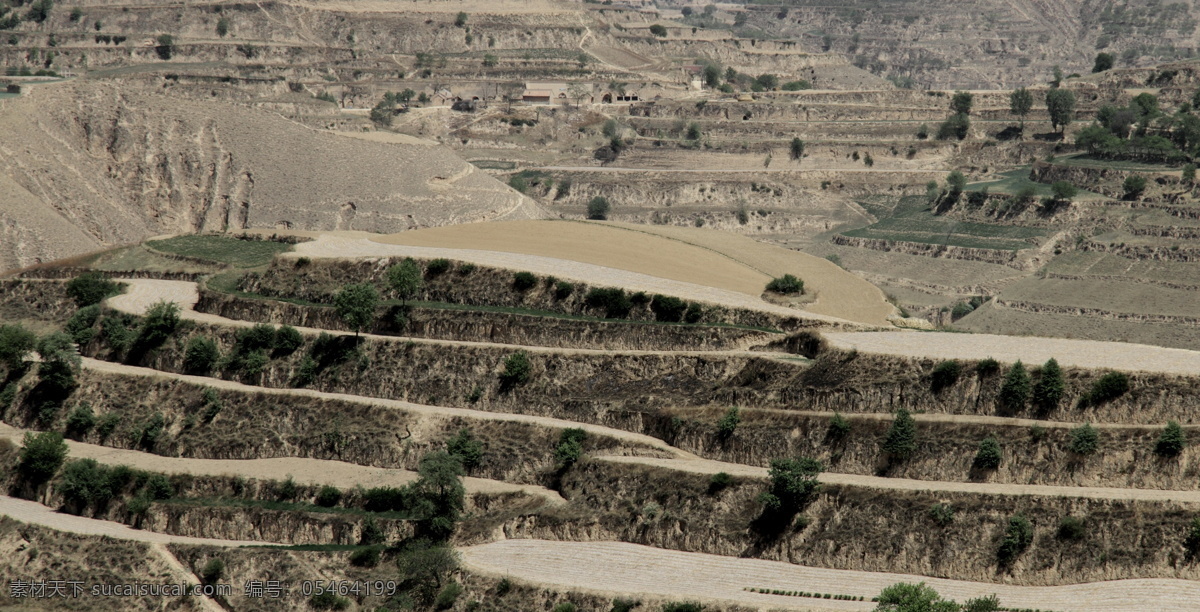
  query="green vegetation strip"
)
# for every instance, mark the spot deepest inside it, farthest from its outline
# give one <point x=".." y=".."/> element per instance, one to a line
<point x="222" y="249"/>
<point x="281" y="506"/>
<point x="836" y="596"/>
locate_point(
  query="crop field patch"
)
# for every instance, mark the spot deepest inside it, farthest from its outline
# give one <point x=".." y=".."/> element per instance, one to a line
<point x="910" y="219"/>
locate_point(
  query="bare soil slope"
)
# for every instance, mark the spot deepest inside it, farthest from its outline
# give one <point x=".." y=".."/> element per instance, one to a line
<point x="91" y="164"/>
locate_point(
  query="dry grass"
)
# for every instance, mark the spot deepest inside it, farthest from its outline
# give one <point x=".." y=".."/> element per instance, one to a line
<point x="602" y="566"/>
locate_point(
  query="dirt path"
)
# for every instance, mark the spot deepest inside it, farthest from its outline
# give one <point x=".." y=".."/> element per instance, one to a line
<point x="183" y="574"/>
<point x="304" y="471"/>
<point x="143" y="293"/>
<point x="37" y="514"/>
<point x="706" y="466"/>
<point x="1030" y="350"/>
<point x="628" y="569"/>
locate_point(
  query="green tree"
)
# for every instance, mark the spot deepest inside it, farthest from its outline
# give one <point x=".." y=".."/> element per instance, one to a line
<point x="200" y="356"/>
<point x="944" y="375"/>
<point x="570" y="446"/>
<point x="1085" y="440"/>
<point x="1061" y="105"/>
<point x="768" y="81"/>
<point x="91" y="288"/>
<point x="957" y="127"/>
<point x="1063" y="191"/>
<point x="728" y="423"/>
<point x="658" y="30"/>
<point x="786" y="285"/>
<point x="355" y="305"/>
<point x="1017" y="537"/>
<point x="712" y="75"/>
<point x="60" y="362"/>
<point x="41" y="456"/>
<point x="460" y="19"/>
<point x="598" y="207"/>
<point x="901" y="440"/>
<point x="1172" y="441"/>
<point x="1188" y="176"/>
<point x="437" y="496"/>
<point x="956" y="182"/>
<point x="792" y="482"/>
<point x="159" y="323"/>
<point x="166" y="46"/>
<point x="988" y="456"/>
<point x="1134" y="186"/>
<point x="489" y="60"/>
<point x="796" y="149"/>
<point x="1020" y="102"/>
<point x="1015" y="391"/>
<point x="404" y="279"/>
<point x="961" y="103"/>
<point x="16" y="342"/>
<point x="906" y="597"/>
<point x="517" y="370"/>
<point x="222" y="27"/>
<point x="1048" y="391"/>
<point x="693" y="131"/>
<point x="466" y="448"/>
<point x="1104" y="61"/>
<point x="1191" y="542"/>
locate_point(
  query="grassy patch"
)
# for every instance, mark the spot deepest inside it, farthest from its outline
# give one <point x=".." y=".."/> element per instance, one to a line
<point x="910" y="220"/>
<point x="281" y="506"/>
<point x="222" y="249"/>
<point x="494" y="164"/>
<point x="1082" y="160"/>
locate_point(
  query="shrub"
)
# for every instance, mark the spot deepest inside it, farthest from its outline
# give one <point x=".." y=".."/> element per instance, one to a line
<point x="1071" y="528"/>
<point x="437" y="267"/>
<point x="563" y="290"/>
<point x="615" y="303"/>
<point x="80" y="325"/>
<point x="384" y="499"/>
<point x="365" y="557"/>
<point x="161" y="320"/>
<point x="60" y="360"/>
<point x="260" y="337"/>
<point x="328" y="600"/>
<point x="90" y="288"/>
<point x="328" y="496"/>
<point x="1188" y="176"/>
<point x="796" y="85"/>
<point x="944" y="375"/>
<point x="80" y="421"/>
<point x="517" y="370"/>
<point x="1017" y="537"/>
<point x="728" y="423"/>
<point x="1107" y="388"/>
<point x="200" y="356"/>
<point x="84" y="483"/>
<point x="570" y="446"/>
<point x="468" y="450"/>
<point x="565" y="606"/>
<point x="987" y="367"/>
<point x="839" y="428"/>
<point x="524" y="281"/>
<point x="682" y="607"/>
<point x="624" y="605"/>
<point x="792" y="481"/>
<point x="693" y="131"/>
<point x="668" y="308"/>
<point x="16" y="342"/>
<point x="1171" y="442"/>
<point x="212" y="404"/>
<point x="1134" y="186"/>
<point x="158" y="487"/>
<point x="960" y="310"/>
<point x="449" y="594"/>
<point x="41" y="456"/>
<point x="598" y="208"/>
<point x="786" y="285"/>
<point x="694" y="313"/>
<point x="212" y="572"/>
<point x="1015" y="391"/>
<point x="901" y="440"/>
<point x="719" y="482"/>
<point x="957" y="127"/>
<point x="1085" y="440"/>
<point x="1191" y="543"/>
<point x="1048" y="391"/>
<point x="287" y="340"/>
<point x="658" y="30"/>
<point x="988" y="455"/>
<point x="942" y="514"/>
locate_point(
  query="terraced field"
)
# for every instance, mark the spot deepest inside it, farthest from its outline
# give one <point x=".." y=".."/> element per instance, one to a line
<point x="662" y="433"/>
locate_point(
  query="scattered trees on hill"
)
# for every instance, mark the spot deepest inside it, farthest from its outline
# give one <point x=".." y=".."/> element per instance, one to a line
<point x="1020" y="102"/>
<point x="1172" y="441"/>
<point x="1015" y="391"/>
<point x="1048" y="391"/>
<point x="41" y="456"/>
<point x="1061" y="105"/>
<point x="598" y="208"/>
<point x="1104" y="61"/>
<point x="404" y="279"/>
<point x="355" y="305"/>
<point x="786" y="285"/>
<point x="901" y="439"/>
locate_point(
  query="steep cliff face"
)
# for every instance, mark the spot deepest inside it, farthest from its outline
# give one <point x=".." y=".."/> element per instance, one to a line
<point x="93" y="164"/>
